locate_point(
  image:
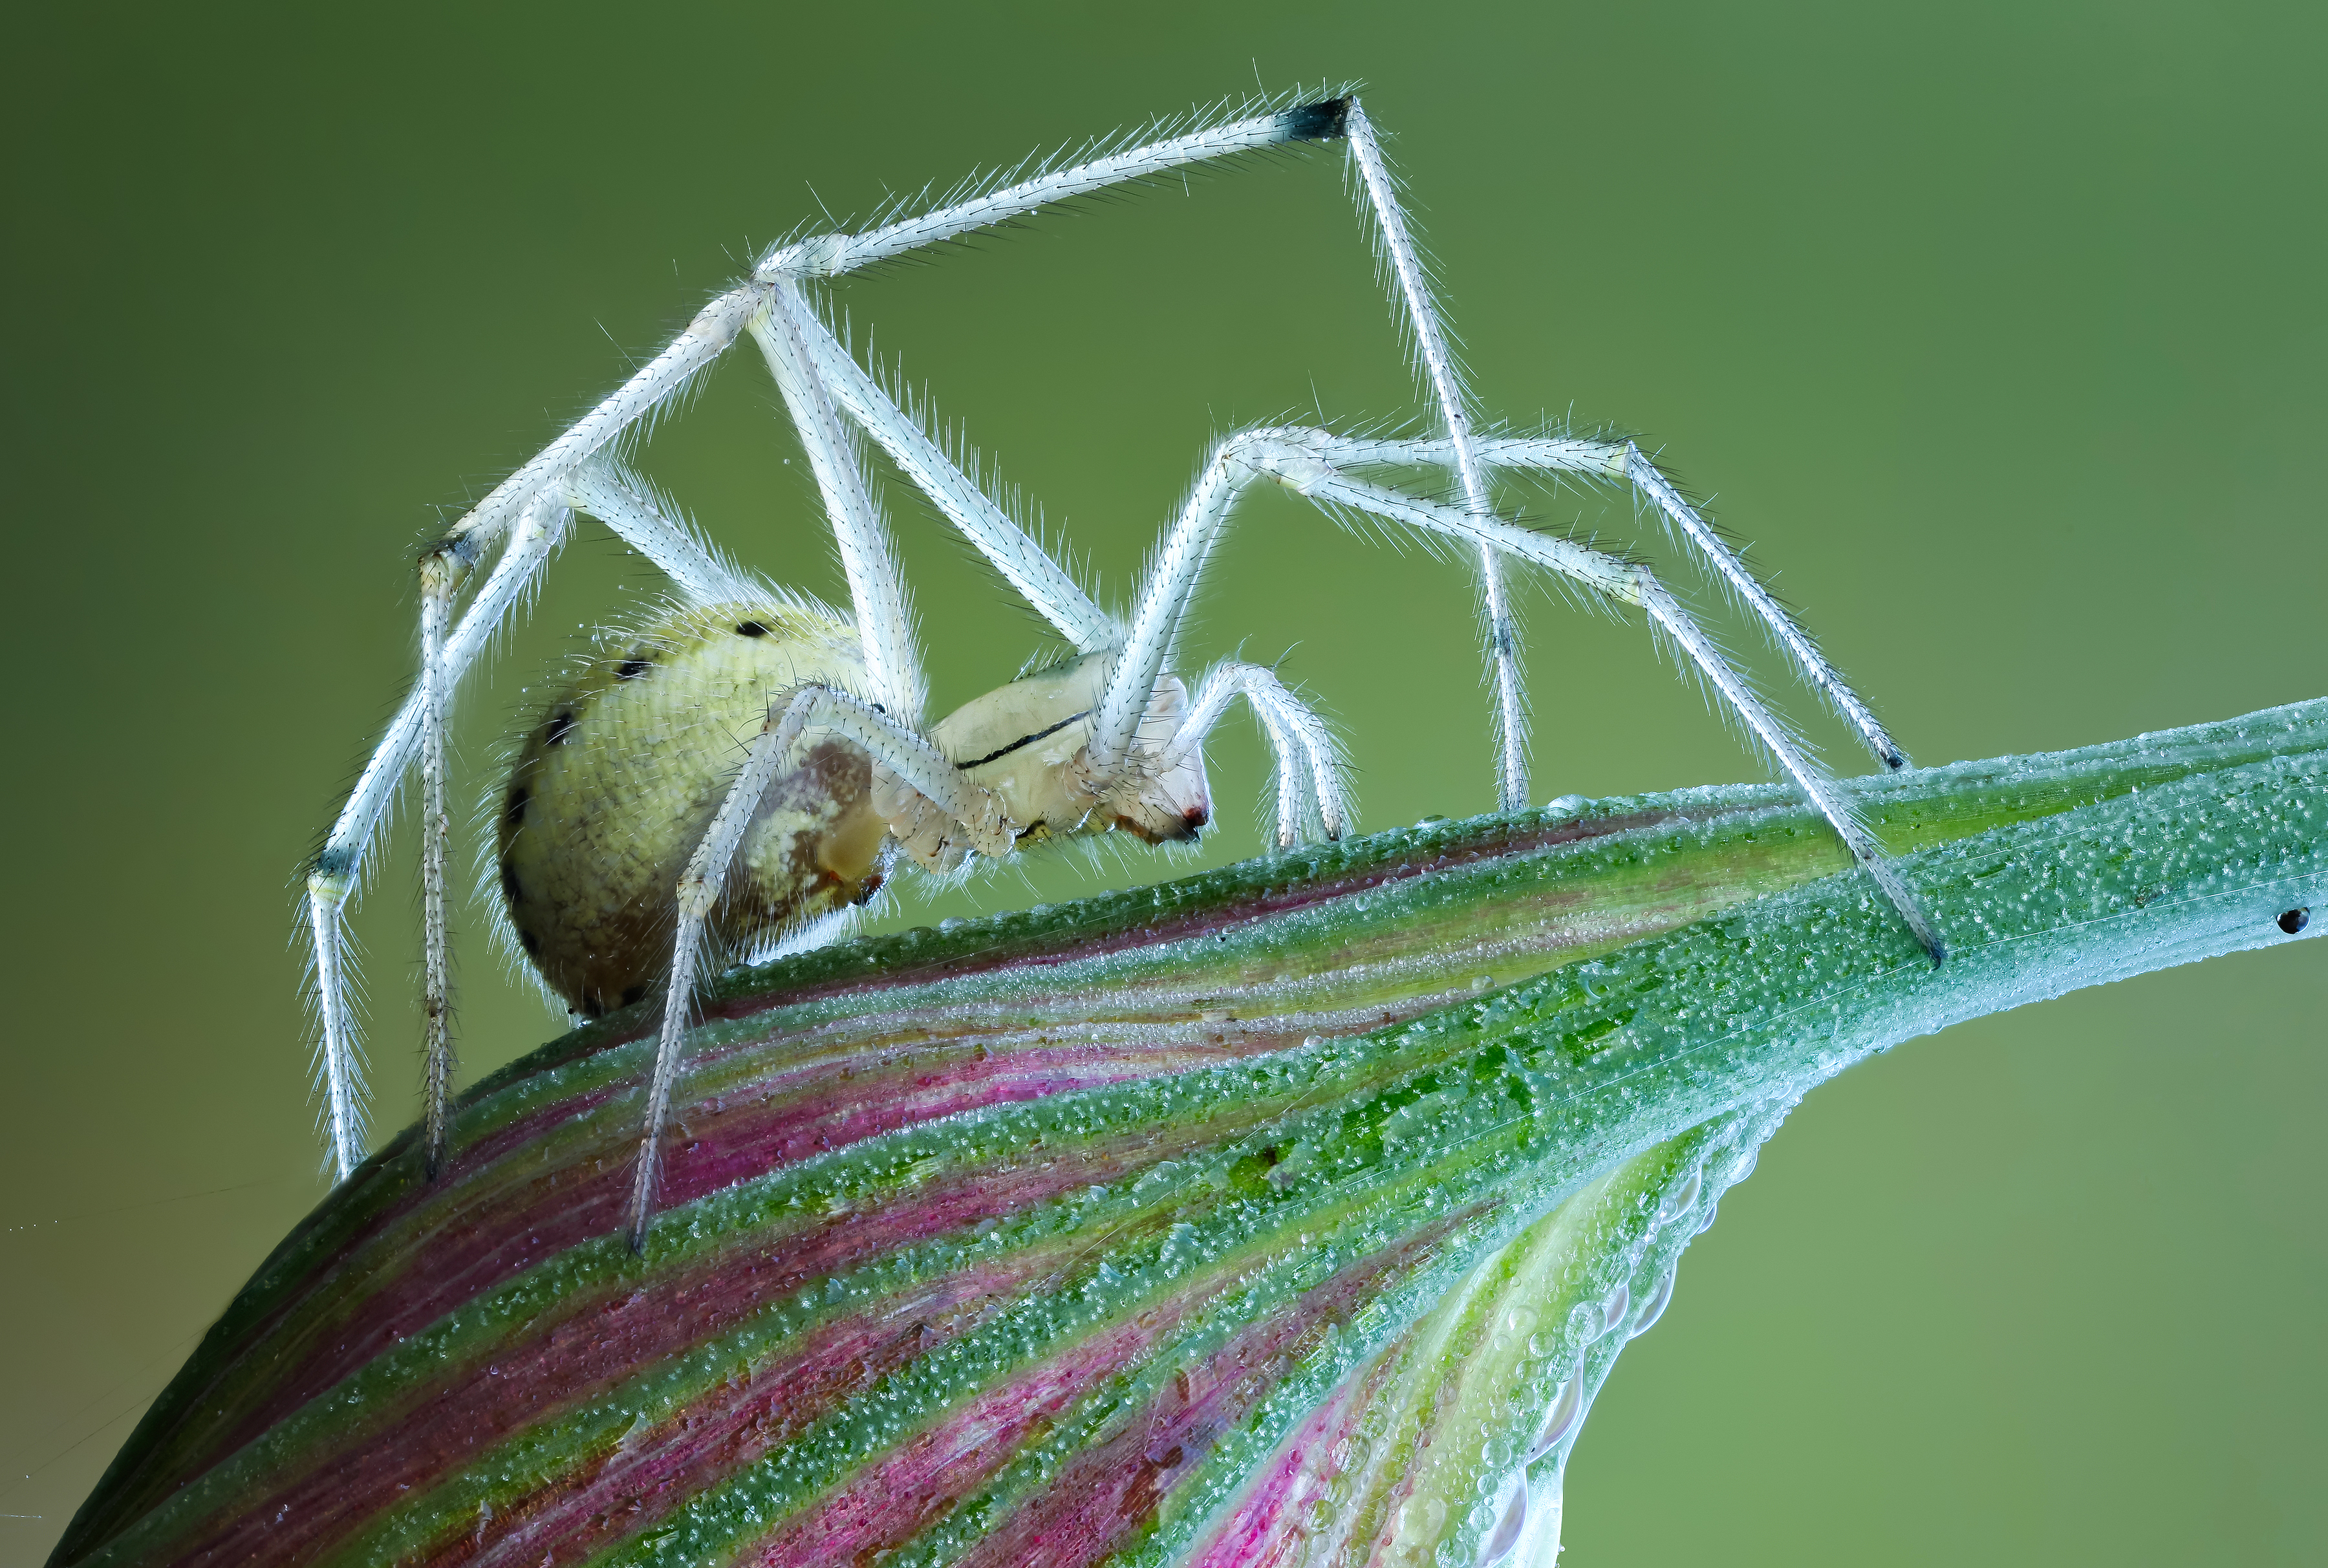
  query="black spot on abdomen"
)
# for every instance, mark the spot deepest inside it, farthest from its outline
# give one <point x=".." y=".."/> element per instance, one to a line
<point x="632" y="668"/>
<point x="633" y="994"/>
<point x="512" y="888"/>
<point x="513" y="813"/>
<point x="751" y="629"/>
<point x="562" y="725"/>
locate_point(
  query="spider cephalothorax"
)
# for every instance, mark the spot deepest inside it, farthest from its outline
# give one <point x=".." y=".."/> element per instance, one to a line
<point x="743" y="763"/>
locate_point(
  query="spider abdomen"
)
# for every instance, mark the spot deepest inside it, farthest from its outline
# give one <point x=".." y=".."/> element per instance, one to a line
<point x="617" y="781"/>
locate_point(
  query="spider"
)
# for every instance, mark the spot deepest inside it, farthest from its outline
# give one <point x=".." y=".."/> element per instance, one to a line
<point x="631" y="843"/>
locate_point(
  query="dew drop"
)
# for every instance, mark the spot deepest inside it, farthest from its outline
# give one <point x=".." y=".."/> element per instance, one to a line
<point x="1682" y="1197"/>
<point x="1538" y="1545"/>
<point x="1507" y="1533"/>
<point x="1619" y="1307"/>
<point x="1705" y="1220"/>
<point x="1561" y="1420"/>
<point x="1419" y="1523"/>
<point x="1656" y="1307"/>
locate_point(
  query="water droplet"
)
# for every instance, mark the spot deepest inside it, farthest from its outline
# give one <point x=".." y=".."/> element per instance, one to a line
<point x="1520" y="1319"/>
<point x="1565" y="803"/>
<point x="1679" y="1201"/>
<point x="1705" y="1221"/>
<point x="1656" y="1307"/>
<point x="1539" y="1543"/>
<point x="1561" y="1419"/>
<point x="1419" y="1525"/>
<point x="1508" y="1526"/>
<point x="1619" y="1307"/>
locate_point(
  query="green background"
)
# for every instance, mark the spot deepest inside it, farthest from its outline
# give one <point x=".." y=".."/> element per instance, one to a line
<point x="1995" y="328"/>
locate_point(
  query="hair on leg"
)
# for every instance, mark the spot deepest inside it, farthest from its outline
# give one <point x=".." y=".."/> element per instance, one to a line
<point x="1443" y="377"/>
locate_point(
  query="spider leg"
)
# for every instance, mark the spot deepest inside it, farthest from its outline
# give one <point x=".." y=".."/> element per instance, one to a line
<point x="884" y="621"/>
<point x="1404" y="260"/>
<point x="1302" y="461"/>
<point x="1295" y="459"/>
<point x="333" y="874"/>
<point x="719" y="323"/>
<point x="618" y="498"/>
<point x="436" y="831"/>
<point x="1308" y="767"/>
<point x="1742" y="584"/>
<point x="891" y="746"/>
<point x="829" y="255"/>
<point x="1041" y="581"/>
<point x="1623" y="463"/>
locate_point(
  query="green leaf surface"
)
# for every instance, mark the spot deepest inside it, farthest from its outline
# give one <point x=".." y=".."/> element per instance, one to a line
<point x="1293" y="1213"/>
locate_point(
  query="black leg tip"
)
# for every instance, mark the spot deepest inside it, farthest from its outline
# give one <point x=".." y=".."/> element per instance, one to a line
<point x="2295" y="920"/>
<point x="1895" y="760"/>
<point x="1328" y="121"/>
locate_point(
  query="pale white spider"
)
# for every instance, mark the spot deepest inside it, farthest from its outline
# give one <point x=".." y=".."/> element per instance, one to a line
<point x="627" y="806"/>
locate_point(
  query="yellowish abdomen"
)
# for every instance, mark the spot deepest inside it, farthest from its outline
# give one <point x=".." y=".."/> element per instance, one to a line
<point x="619" y="779"/>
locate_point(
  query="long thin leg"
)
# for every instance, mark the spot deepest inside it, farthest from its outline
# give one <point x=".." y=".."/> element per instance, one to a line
<point x="1441" y="372"/>
<point x="628" y="505"/>
<point x="1163" y="601"/>
<point x="1041" y="581"/>
<point x="1623" y="461"/>
<point x="1307" y="767"/>
<point x="829" y="255"/>
<point x="334" y="874"/>
<point x="718" y="325"/>
<point x="891" y="746"/>
<point x="1634" y="583"/>
<point x="1742" y="583"/>
<point x="435" y="829"/>
<point x="1297" y="459"/>
<point x="884" y="623"/>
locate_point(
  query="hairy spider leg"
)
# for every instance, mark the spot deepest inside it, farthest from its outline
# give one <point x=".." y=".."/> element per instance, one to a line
<point x="605" y="490"/>
<point x="1624" y="463"/>
<point x="1302" y="461"/>
<point x="891" y="746"/>
<point x="876" y="591"/>
<point x="1444" y="378"/>
<point x="334" y="874"/>
<point x="719" y="323"/>
<point x="435" y="829"/>
<point x="1308" y="761"/>
<point x="1301" y="743"/>
<point x="1042" y="582"/>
